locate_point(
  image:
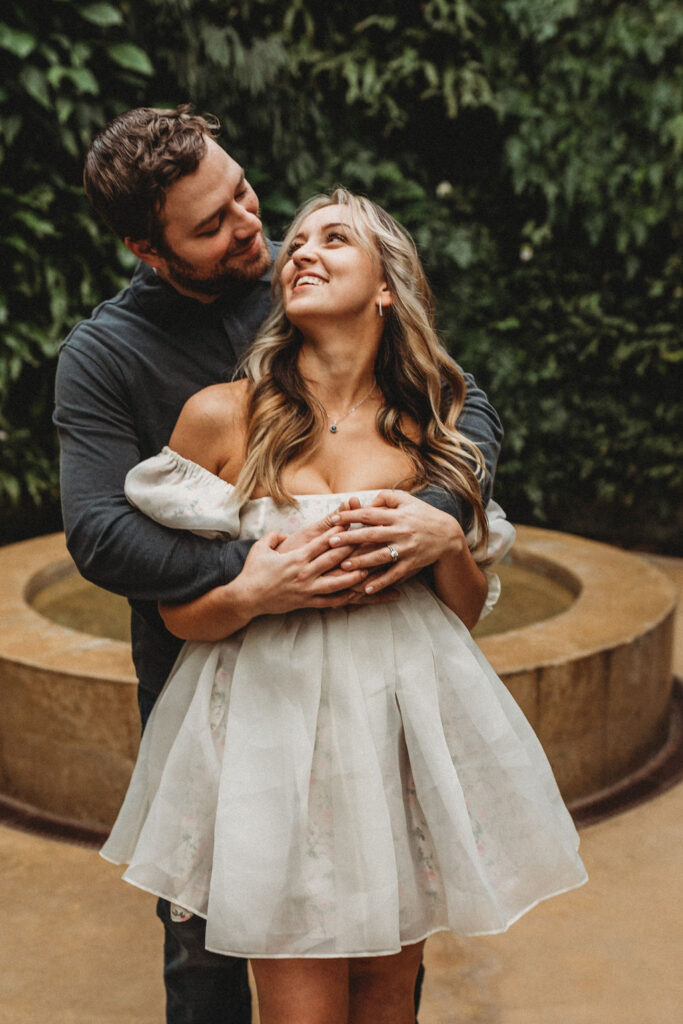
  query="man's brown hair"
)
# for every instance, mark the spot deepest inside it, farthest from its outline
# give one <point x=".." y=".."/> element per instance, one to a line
<point x="134" y="159"/>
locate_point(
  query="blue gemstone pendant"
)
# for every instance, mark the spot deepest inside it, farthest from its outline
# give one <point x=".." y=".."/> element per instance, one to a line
<point x="333" y="428"/>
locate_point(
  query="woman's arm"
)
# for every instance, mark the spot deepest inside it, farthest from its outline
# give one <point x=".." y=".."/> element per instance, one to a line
<point x="211" y="429"/>
<point x="213" y="616"/>
<point x="460" y="583"/>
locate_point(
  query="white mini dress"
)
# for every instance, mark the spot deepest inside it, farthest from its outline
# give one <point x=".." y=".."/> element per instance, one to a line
<point x="341" y="782"/>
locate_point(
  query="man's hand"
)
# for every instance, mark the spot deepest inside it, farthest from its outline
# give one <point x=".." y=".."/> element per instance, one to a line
<point x="419" y="533"/>
<point x="270" y="582"/>
<point x="282" y="573"/>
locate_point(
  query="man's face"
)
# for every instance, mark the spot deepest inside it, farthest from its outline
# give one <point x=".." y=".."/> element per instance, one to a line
<point x="212" y="234"/>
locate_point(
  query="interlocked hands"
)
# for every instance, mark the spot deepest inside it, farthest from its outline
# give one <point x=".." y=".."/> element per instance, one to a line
<point x="419" y="533"/>
<point x="344" y="558"/>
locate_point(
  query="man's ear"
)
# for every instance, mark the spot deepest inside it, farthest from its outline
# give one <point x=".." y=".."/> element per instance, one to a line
<point x="142" y="250"/>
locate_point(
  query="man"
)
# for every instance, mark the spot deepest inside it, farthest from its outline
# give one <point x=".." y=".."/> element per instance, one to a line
<point x="182" y="205"/>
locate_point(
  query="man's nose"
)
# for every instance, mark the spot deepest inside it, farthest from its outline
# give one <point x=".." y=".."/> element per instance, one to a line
<point x="248" y="222"/>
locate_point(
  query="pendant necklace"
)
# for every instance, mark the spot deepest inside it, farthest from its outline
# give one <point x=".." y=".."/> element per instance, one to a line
<point x="334" y="425"/>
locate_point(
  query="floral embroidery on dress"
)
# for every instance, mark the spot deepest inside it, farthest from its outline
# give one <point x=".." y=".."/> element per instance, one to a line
<point x="423" y="846"/>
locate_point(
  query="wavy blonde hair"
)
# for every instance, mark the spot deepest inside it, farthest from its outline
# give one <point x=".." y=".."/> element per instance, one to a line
<point x="414" y="373"/>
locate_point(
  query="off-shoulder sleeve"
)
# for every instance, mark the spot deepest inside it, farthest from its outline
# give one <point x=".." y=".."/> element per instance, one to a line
<point x="501" y="538"/>
<point x="183" y="495"/>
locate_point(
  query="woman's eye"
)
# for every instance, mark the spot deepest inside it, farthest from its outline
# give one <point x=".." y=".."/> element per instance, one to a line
<point x="291" y="249"/>
<point x="336" y="236"/>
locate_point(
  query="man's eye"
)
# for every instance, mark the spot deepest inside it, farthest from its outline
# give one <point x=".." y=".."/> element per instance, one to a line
<point x="210" y="232"/>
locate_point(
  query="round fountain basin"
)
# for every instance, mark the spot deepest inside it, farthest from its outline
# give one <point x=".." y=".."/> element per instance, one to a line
<point x="582" y="637"/>
<point x="527" y="596"/>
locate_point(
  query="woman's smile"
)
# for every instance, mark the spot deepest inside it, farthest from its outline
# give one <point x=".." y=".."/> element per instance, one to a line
<point x="308" y="279"/>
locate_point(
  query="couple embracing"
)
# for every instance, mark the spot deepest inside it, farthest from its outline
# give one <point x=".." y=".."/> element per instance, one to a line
<point x="330" y="771"/>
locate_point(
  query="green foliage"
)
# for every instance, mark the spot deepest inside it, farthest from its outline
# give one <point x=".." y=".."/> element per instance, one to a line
<point x="67" y="68"/>
<point x="589" y="386"/>
<point x="533" y="148"/>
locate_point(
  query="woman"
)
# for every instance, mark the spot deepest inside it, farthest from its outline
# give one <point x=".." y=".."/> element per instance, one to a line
<point x="329" y="787"/>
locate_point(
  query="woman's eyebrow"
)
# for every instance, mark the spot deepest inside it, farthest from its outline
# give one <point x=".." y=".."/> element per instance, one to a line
<point x="325" y="227"/>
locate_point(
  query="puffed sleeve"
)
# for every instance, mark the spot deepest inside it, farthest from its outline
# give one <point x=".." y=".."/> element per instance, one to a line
<point x="182" y="495"/>
<point x="500" y="540"/>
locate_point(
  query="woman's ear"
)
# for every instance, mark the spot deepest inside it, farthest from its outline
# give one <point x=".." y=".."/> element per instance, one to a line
<point x="384" y="299"/>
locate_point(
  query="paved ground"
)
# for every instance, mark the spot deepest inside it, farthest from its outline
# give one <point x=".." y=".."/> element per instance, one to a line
<point x="79" y="947"/>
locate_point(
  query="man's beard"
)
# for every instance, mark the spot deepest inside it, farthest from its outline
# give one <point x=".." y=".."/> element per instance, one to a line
<point x="234" y="272"/>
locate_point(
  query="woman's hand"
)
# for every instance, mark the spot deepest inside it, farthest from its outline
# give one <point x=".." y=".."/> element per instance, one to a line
<point x="300" y="538"/>
<point x="418" y="532"/>
<point x="421" y="535"/>
<point x="347" y="581"/>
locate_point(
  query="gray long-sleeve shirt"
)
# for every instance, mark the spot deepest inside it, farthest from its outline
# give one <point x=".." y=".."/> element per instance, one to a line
<point x="122" y="378"/>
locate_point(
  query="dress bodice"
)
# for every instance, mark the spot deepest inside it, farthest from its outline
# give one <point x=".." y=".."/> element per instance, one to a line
<point x="183" y="495"/>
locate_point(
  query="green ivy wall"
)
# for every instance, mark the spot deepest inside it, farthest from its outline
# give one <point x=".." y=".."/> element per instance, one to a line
<point x="533" y="147"/>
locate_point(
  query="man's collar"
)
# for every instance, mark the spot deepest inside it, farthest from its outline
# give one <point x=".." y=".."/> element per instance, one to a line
<point x="273" y="249"/>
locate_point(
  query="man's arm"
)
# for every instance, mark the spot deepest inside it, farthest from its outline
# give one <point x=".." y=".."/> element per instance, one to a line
<point x="114" y="545"/>
<point x="479" y="422"/>
<point x="306" y="577"/>
<point x="121" y="549"/>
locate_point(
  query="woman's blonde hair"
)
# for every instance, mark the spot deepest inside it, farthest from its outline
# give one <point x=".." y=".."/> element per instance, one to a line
<point x="414" y="373"/>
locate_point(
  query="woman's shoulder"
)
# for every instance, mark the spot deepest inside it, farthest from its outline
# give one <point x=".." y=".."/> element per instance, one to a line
<point x="212" y="424"/>
<point x="219" y="403"/>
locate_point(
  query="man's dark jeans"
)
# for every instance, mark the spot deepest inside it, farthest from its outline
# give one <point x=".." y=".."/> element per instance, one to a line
<point x="203" y="987"/>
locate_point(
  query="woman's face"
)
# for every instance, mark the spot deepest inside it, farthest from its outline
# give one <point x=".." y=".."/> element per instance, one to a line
<point x="329" y="272"/>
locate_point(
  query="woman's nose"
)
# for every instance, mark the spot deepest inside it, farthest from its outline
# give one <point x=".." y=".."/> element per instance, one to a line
<point x="303" y="254"/>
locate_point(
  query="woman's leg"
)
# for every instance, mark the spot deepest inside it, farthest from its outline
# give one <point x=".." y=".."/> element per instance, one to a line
<point x="382" y="988"/>
<point x="302" y="991"/>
